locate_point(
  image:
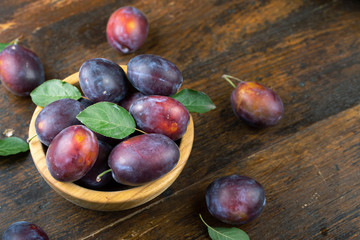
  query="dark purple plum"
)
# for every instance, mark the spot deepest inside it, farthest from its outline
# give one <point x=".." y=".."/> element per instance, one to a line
<point x="127" y="29"/>
<point x="23" y="230"/>
<point x="101" y="165"/>
<point x="108" y="140"/>
<point x="235" y="199"/>
<point x="55" y="117"/>
<point x="143" y="158"/>
<point x="128" y="101"/>
<point x="161" y="114"/>
<point x="154" y="75"/>
<point x="72" y="153"/>
<point x="102" y="80"/>
<point x="21" y="70"/>
<point x="86" y="102"/>
<point x="256" y="104"/>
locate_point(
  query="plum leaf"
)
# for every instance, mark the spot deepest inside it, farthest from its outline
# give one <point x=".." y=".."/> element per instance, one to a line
<point x="108" y="119"/>
<point x="194" y="101"/>
<point x="222" y="233"/>
<point x="53" y="90"/>
<point x="12" y="145"/>
<point x="3" y="45"/>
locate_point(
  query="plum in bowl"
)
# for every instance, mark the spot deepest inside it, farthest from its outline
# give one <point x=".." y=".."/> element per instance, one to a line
<point x="110" y="200"/>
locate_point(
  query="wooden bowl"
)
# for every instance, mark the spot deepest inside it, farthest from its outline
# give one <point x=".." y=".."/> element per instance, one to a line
<point x="108" y="200"/>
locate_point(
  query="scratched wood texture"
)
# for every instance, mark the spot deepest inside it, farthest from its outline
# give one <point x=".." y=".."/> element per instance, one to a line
<point x="308" y="51"/>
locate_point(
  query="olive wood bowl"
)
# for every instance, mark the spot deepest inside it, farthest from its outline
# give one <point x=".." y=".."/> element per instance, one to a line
<point x="108" y="200"/>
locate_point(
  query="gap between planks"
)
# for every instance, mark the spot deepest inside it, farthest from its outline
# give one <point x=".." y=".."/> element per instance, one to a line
<point x="341" y="114"/>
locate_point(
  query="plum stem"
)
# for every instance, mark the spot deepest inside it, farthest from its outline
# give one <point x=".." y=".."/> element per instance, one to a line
<point x="228" y="79"/>
<point x="31" y="138"/>
<point x="139" y="130"/>
<point x="15" y="41"/>
<point x="98" y="178"/>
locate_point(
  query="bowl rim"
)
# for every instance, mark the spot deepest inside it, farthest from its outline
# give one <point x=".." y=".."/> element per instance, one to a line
<point x="108" y="200"/>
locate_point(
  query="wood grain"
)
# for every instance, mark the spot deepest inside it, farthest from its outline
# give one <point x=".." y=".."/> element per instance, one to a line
<point x="312" y="177"/>
<point x="308" y="52"/>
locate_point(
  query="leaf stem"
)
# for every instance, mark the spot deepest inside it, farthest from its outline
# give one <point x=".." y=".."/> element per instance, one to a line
<point x="225" y="233"/>
<point x="139" y="130"/>
<point x="204" y="221"/>
<point x="228" y="79"/>
<point x="85" y="98"/>
<point x="98" y="178"/>
<point x="31" y="138"/>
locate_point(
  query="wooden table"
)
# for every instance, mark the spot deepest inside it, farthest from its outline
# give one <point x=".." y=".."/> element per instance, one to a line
<point x="309" y="164"/>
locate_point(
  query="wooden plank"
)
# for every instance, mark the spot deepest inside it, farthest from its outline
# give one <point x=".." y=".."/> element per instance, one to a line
<point x="311" y="180"/>
<point x="307" y="51"/>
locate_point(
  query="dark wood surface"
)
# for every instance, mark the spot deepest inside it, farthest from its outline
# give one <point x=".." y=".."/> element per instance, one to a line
<point x="309" y="164"/>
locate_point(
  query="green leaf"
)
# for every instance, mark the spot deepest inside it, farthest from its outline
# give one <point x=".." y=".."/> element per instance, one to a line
<point x="12" y="145"/>
<point x="3" y="45"/>
<point x="53" y="90"/>
<point x="222" y="233"/>
<point x="108" y="119"/>
<point x="194" y="101"/>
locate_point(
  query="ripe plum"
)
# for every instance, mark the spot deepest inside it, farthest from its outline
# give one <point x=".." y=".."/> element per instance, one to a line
<point x="24" y="230"/>
<point x="127" y="29"/>
<point x="161" y="114"/>
<point x="85" y="102"/>
<point x="56" y="116"/>
<point x="72" y="153"/>
<point x="154" y="75"/>
<point x="128" y="101"/>
<point x="235" y="199"/>
<point x="102" y="80"/>
<point x="143" y="158"/>
<point x="256" y="104"/>
<point x="21" y="70"/>
<point x="101" y="165"/>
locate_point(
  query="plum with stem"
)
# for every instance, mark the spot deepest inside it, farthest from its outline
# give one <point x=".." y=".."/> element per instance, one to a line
<point x="255" y="104"/>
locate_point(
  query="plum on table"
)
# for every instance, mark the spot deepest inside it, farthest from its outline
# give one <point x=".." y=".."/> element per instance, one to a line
<point x="235" y="199"/>
<point x="127" y="29"/>
<point x="21" y="70"/>
<point x="23" y="230"/>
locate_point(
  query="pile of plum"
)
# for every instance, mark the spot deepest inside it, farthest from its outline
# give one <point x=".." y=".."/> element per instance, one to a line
<point x="77" y="154"/>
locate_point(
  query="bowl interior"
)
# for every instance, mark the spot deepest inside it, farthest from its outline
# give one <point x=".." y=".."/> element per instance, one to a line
<point x="108" y="200"/>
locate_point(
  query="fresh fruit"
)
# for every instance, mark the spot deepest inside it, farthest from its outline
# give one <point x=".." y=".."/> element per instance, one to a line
<point x="72" y="153"/>
<point x="127" y="29"/>
<point x="56" y="116"/>
<point x="235" y="199"/>
<point x="85" y="102"/>
<point x="154" y="75"/>
<point x="256" y="104"/>
<point x="21" y="70"/>
<point x="128" y="101"/>
<point x="23" y="230"/>
<point x="142" y="159"/>
<point x="161" y="114"/>
<point x="102" y="80"/>
<point x="101" y="165"/>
